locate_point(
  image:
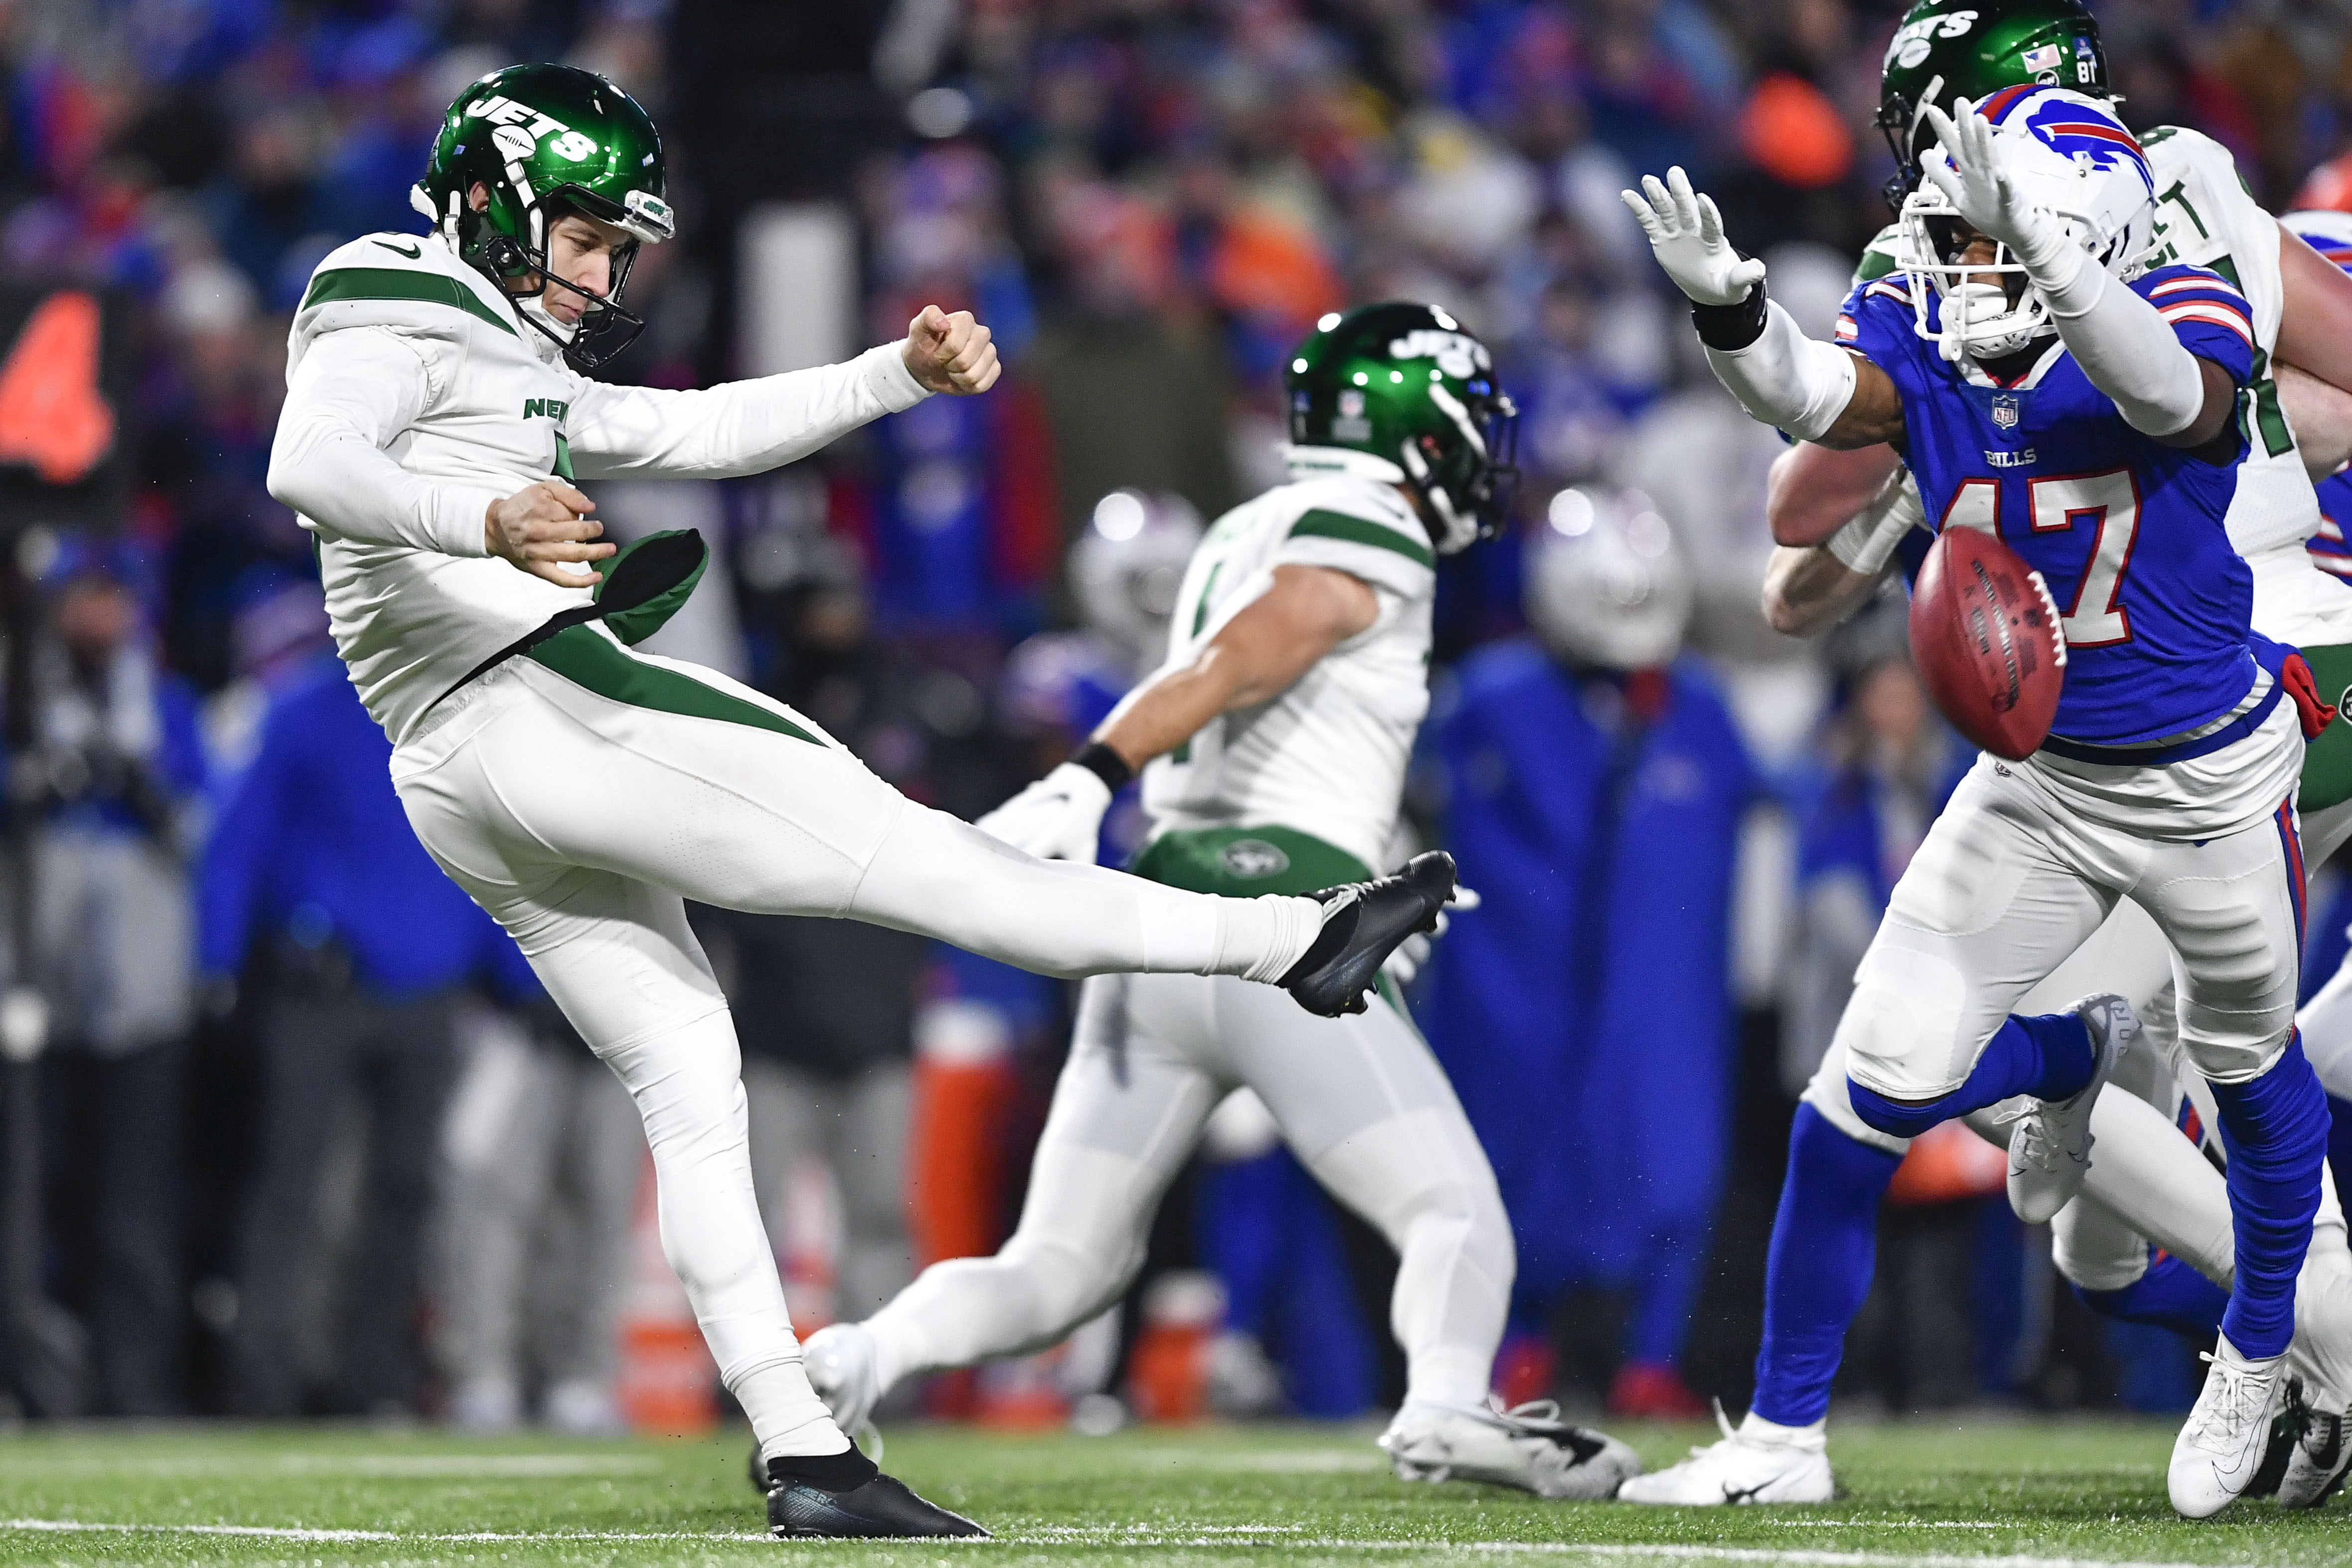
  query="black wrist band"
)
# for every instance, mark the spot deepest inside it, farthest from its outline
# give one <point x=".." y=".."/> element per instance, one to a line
<point x="1105" y="764"/>
<point x="1730" y="328"/>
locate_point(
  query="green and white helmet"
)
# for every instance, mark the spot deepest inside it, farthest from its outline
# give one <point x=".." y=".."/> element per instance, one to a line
<point x="1946" y="49"/>
<point x="1399" y="392"/>
<point x="544" y="141"/>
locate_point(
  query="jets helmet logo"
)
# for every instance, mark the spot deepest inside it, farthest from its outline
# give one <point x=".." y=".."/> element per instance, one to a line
<point x="518" y="139"/>
<point x="1456" y="354"/>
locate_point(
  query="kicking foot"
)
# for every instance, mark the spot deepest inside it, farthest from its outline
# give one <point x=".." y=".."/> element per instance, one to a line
<point x="1528" y="1447"/>
<point x="839" y="1360"/>
<point x="1363" y="922"/>
<point x="2321" y="1454"/>
<point x="1747" y="1467"/>
<point x="2050" y="1148"/>
<point x="2221" y="1449"/>
<point x="844" y="1497"/>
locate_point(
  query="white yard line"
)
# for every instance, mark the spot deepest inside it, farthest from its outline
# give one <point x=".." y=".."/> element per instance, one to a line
<point x="1225" y="1536"/>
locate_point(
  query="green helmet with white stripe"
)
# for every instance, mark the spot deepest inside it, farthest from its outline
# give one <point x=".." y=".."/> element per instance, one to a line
<point x="543" y="140"/>
<point x="1400" y="393"/>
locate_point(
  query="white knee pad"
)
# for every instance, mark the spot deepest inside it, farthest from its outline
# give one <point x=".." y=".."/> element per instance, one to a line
<point x="1900" y="1032"/>
<point x="1827" y="1094"/>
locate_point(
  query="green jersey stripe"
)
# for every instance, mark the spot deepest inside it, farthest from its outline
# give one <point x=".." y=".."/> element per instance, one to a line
<point x="346" y="283"/>
<point x="1320" y="524"/>
<point x="584" y="658"/>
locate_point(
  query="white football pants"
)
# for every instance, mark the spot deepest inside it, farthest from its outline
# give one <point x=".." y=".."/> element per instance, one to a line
<point x="2148" y="1182"/>
<point x="582" y="820"/>
<point x="1360" y="1101"/>
<point x="2008" y="883"/>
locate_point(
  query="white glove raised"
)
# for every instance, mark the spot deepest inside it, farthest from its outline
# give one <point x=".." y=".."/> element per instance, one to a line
<point x="1406" y="960"/>
<point x="1059" y="817"/>
<point x="1686" y="233"/>
<point x="1971" y="175"/>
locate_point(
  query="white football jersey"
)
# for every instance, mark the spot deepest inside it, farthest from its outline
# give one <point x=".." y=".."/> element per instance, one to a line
<point x="401" y="347"/>
<point x="1327" y="757"/>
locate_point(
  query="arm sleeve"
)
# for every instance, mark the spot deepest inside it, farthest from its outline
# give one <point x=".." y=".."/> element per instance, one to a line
<point x="741" y="427"/>
<point x="352" y="396"/>
<point x="1383" y="553"/>
<point x="1786" y="379"/>
<point x="2140" y="351"/>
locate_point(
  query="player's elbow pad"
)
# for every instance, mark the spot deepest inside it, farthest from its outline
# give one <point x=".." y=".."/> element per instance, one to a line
<point x="1787" y="379"/>
<point x="2130" y="352"/>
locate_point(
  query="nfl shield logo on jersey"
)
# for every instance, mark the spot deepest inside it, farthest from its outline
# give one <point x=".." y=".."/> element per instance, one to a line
<point x="2004" y="410"/>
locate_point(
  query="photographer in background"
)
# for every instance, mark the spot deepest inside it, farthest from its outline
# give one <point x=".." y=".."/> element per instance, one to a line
<point x="114" y="773"/>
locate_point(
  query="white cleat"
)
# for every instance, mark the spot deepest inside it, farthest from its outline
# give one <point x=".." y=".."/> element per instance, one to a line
<point x="2322" y="1451"/>
<point x="2219" y="1450"/>
<point x="1747" y="1467"/>
<point x="839" y="1360"/>
<point x="1528" y="1447"/>
<point x="2050" y="1147"/>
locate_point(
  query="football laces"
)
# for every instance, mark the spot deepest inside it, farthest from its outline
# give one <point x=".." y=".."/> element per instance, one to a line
<point x="2049" y="605"/>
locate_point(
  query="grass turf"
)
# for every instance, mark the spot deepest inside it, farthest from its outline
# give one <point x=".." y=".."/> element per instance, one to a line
<point x="1930" y="1494"/>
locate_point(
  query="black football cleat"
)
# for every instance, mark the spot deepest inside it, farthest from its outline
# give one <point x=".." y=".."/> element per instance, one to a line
<point x="1362" y="924"/>
<point x="878" y="1506"/>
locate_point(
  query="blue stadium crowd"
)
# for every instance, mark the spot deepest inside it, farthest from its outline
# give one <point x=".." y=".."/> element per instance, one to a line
<point x="314" y="1140"/>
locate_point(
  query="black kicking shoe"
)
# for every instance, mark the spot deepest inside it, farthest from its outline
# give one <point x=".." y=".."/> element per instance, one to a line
<point x="844" y="1497"/>
<point x="1362" y="924"/>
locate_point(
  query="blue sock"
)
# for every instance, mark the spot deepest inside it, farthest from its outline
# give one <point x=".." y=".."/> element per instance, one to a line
<point x="1824" y="1244"/>
<point x="2049" y="1057"/>
<point x="2170" y="1295"/>
<point x="2275" y="1129"/>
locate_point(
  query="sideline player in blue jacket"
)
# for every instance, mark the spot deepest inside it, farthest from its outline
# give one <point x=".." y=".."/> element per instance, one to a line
<point x="2087" y="411"/>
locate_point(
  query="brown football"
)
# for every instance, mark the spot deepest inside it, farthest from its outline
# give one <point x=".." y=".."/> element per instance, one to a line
<point x="1987" y="642"/>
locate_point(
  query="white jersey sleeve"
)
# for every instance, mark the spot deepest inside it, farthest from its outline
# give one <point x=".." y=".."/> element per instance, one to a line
<point x="740" y="427"/>
<point x="1386" y="549"/>
<point x="354" y="393"/>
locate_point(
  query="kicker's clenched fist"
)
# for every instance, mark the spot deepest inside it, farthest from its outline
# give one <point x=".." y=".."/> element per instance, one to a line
<point x="951" y="351"/>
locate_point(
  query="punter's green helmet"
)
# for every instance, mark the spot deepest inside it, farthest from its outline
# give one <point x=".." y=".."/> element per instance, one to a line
<point x="542" y="140"/>
<point x="1972" y="49"/>
<point x="1400" y="393"/>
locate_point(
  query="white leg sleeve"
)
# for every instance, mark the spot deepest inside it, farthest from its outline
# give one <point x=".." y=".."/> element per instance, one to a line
<point x="946" y="879"/>
<point x="1126" y="1115"/>
<point x="1367" y="1108"/>
<point x="2326" y="1024"/>
<point x="749" y="818"/>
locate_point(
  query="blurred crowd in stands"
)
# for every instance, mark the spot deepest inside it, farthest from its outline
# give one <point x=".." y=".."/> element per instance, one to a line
<point x="316" y="1141"/>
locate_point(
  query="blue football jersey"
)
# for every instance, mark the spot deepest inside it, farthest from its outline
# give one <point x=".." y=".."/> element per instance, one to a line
<point x="2128" y="532"/>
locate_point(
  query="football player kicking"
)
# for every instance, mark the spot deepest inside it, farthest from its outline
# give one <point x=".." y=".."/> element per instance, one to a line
<point x="2148" y="1184"/>
<point x="1273" y="746"/>
<point x="2045" y="388"/>
<point x="438" y="418"/>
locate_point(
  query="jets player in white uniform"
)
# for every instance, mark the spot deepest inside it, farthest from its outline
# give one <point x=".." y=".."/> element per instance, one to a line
<point x="1842" y="516"/>
<point x="1272" y="746"/>
<point x="437" y="422"/>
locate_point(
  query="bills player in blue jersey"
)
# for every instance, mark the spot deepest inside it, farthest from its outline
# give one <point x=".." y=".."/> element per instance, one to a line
<point x="2043" y="386"/>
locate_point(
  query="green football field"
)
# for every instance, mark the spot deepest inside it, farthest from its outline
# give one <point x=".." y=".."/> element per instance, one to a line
<point x="2019" y="1493"/>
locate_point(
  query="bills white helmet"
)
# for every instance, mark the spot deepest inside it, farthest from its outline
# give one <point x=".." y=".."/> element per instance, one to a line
<point x="1126" y="569"/>
<point x="1605" y="584"/>
<point x="2066" y="153"/>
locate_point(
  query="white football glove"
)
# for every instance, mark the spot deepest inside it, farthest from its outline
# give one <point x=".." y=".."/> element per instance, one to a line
<point x="1686" y="233"/>
<point x="1405" y="961"/>
<point x="1970" y="174"/>
<point x="1059" y="817"/>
